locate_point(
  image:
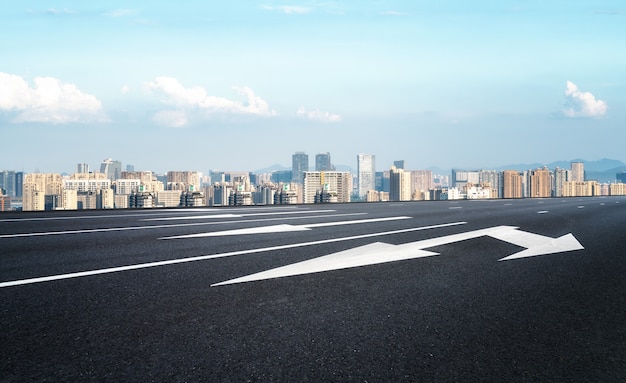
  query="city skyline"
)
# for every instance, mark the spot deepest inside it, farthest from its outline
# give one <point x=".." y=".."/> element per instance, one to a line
<point x="232" y="85"/>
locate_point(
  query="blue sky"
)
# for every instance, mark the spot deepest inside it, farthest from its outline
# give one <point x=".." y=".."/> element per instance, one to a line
<point x="202" y="85"/>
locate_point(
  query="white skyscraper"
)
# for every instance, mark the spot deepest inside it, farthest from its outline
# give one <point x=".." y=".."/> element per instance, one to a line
<point x="578" y="171"/>
<point x="366" y="171"/>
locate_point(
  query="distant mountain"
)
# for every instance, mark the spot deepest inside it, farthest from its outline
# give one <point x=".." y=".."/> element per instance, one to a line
<point x="602" y="165"/>
<point x="271" y="169"/>
<point x="603" y="170"/>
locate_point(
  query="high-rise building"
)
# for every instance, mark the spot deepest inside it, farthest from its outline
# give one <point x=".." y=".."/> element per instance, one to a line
<point x="494" y="179"/>
<point x="37" y="186"/>
<point x="87" y="182"/>
<point x="460" y="178"/>
<point x="366" y="172"/>
<point x="5" y="202"/>
<point x="399" y="184"/>
<point x="511" y="184"/>
<point x="127" y="186"/>
<point x="399" y="164"/>
<point x="82" y="168"/>
<point x="335" y="185"/>
<point x="299" y="165"/>
<point x="113" y="169"/>
<point x="322" y="162"/>
<point x="145" y="177"/>
<point x="183" y="180"/>
<point x="8" y="182"/>
<point x="561" y="176"/>
<point x="578" y="171"/>
<point x="540" y="183"/>
<point x="421" y="180"/>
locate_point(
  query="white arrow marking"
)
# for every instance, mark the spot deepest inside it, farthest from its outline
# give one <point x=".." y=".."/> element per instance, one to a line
<point x="282" y="228"/>
<point x="214" y="256"/>
<point x="379" y="252"/>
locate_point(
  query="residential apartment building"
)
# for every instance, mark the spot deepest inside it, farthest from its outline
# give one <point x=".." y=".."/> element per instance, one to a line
<point x="399" y="184"/>
<point x="511" y="184"/>
<point x="336" y="185"/>
<point x="540" y="183"/>
<point x="37" y="186"/>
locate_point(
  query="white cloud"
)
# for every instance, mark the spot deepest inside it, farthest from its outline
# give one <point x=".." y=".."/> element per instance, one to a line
<point x="125" y="89"/>
<point x="49" y="101"/>
<point x="196" y="98"/>
<point x="582" y="104"/>
<point x="288" y="9"/>
<point x="318" y="115"/>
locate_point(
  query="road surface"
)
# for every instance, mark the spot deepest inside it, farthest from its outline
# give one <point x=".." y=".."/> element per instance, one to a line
<point x="498" y="290"/>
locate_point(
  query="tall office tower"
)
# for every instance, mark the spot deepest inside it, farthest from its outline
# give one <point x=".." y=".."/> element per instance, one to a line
<point x="561" y="176"/>
<point x="493" y="178"/>
<point x="8" y="182"/>
<point x="82" y="168"/>
<point x="322" y="162"/>
<point x="511" y="184"/>
<point x="399" y="185"/>
<point x="37" y="186"/>
<point x="299" y="165"/>
<point x="540" y="183"/>
<point x="366" y="171"/>
<point x="130" y="168"/>
<point x="578" y="171"/>
<point x="113" y="169"/>
<point x="336" y="185"/>
<point x="399" y="164"/>
<point x="421" y="180"/>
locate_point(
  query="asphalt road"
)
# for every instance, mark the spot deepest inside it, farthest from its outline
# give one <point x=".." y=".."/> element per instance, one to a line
<point x="190" y="295"/>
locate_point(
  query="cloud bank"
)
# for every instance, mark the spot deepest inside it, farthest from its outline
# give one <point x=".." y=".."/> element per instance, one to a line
<point x="188" y="100"/>
<point x="582" y="104"/>
<point x="48" y="101"/>
<point x="318" y="115"/>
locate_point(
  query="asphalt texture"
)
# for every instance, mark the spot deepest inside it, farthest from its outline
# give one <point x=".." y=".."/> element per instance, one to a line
<point x="462" y="315"/>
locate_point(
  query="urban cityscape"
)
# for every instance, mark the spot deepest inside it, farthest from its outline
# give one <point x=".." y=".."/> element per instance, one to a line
<point x="115" y="186"/>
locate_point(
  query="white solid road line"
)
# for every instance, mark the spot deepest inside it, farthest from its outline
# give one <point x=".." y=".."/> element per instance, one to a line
<point x="157" y="212"/>
<point x="213" y="256"/>
<point x="102" y="230"/>
<point x="282" y="228"/>
<point x="237" y="215"/>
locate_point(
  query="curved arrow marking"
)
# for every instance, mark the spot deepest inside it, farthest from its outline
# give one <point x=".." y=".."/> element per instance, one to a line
<point x="379" y="252"/>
